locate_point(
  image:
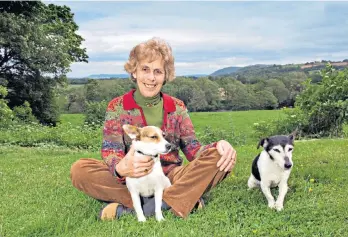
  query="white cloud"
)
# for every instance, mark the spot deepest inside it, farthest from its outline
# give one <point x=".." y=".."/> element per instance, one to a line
<point x="206" y="37"/>
<point x="105" y="67"/>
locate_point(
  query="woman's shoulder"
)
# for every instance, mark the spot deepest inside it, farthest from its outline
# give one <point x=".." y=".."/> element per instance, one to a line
<point x="179" y="104"/>
<point x="117" y="100"/>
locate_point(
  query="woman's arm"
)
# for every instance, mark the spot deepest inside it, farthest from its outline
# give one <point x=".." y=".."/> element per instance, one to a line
<point x="189" y="143"/>
<point x="113" y="147"/>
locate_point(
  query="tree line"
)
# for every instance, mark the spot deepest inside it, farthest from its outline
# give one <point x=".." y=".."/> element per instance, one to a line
<point x="199" y="94"/>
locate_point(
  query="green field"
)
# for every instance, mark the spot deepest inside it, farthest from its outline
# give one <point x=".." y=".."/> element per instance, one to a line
<point x="238" y="123"/>
<point x="37" y="198"/>
<point x="75" y="86"/>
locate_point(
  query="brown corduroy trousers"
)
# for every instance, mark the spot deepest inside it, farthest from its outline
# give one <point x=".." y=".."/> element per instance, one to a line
<point x="189" y="182"/>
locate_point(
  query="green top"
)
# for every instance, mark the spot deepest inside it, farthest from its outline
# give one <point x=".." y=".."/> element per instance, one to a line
<point x="152" y="108"/>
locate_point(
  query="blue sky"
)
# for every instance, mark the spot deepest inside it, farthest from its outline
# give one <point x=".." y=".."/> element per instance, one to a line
<point x="207" y="36"/>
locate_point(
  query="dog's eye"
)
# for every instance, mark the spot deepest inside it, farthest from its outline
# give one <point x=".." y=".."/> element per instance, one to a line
<point x="290" y="149"/>
<point x="276" y="150"/>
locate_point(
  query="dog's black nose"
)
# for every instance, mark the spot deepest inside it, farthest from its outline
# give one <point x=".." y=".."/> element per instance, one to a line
<point x="168" y="146"/>
<point x="288" y="165"/>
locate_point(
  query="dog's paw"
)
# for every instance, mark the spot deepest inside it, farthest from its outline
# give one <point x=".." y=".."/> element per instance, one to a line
<point x="141" y="219"/>
<point x="159" y="217"/>
<point x="279" y="206"/>
<point x="271" y="205"/>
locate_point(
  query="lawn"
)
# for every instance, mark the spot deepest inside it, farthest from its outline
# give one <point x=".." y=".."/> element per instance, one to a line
<point x="37" y="198"/>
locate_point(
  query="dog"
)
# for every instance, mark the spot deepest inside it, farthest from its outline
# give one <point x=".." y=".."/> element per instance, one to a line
<point x="272" y="167"/>
<point x="148" y="141"/>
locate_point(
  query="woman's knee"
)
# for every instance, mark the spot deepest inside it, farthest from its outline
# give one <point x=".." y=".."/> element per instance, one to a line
<point x="211" y="154"/>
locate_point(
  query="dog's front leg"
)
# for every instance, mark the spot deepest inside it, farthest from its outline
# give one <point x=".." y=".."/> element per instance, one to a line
<point x="158" y="204"/>
<point x="137" y="206"/>
<point x="283" y="189"/>
<point x="265" y="187"/>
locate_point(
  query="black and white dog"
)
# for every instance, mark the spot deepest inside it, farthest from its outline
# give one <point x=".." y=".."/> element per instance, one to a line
<point x="272" y="167"/>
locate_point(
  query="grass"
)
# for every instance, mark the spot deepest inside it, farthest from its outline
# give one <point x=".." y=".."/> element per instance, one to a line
<point x="238" y="123"/>
<point x="37" y="198"/>
<point x="74" y="119"/>
<point x="75" y="86"/>
<point x="239" y="120"/>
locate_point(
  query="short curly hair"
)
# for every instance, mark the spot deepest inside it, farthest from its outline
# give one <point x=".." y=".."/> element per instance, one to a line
<point x="153" y="49"/>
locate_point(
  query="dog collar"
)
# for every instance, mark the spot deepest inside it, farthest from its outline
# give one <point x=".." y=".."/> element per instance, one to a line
<point x="146" y="154"/>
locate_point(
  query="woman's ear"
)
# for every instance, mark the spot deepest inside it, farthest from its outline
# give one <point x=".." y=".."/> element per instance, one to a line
<point x="134" y="75"/>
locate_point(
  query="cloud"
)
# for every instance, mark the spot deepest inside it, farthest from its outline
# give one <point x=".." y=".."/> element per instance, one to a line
<point x="212" y="35"/>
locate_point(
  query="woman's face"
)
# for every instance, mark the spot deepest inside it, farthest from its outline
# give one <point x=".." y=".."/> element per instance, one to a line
<point x="150" y="77"/>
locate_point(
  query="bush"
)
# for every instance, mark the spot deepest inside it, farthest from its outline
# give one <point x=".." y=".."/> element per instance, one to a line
<point x="68" y="135"/>
<point x="325" y="104"/>
<point x="23" y="113"/>
<point x="321" y="110"/>
<point x="95" y="112"/>
<point x="294" y="119"/>
<point x="209" y="135"/>
<point x="6" y="114"/>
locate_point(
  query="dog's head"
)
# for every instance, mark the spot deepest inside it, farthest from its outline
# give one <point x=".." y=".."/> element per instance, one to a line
<point x="148" y="140"/>
<point x="280" y="148"/>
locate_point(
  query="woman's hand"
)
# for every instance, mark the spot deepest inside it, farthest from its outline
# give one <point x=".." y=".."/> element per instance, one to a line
<point x="228" y="156"/>
<point x="131" y="166"/>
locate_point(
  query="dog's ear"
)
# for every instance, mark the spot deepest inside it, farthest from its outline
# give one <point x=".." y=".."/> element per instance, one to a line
<point x="263" y="142"/>
<point x="292" y="136"/>
<point x="132" y="131"/>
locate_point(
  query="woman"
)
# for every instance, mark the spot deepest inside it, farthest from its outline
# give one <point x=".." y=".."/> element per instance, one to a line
<point x="151" y="65"/>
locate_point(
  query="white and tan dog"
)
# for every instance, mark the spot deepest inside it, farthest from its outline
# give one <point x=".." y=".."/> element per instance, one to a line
<point x="148" y="141"/>
<point x="272" y="167"/>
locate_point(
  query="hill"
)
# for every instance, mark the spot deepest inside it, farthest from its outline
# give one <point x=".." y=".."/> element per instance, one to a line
<point x="262" y="69"/>
<point x="107" y="76"/>
<point x="224" y="71"/>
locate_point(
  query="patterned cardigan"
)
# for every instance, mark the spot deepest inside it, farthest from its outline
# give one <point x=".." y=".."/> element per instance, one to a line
<point x="177" y="127"/>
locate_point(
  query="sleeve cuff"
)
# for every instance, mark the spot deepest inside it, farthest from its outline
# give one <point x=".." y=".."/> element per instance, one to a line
<point x="119" y="178"/>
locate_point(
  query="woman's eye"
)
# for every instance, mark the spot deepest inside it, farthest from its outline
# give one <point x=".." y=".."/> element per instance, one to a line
<point x="153" y="137"/>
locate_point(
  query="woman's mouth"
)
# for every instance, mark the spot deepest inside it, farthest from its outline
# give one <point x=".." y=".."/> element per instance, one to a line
<point x="149" y="86"/>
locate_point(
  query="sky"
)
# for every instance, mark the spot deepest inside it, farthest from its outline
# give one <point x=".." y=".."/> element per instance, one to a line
<point x="207" y="36"/>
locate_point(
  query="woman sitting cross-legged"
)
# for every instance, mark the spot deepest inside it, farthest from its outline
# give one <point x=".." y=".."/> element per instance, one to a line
<point x="151" y="65"/>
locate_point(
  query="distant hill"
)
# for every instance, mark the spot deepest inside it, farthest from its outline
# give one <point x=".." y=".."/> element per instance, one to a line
<point x="262" y="69"/>
<point x="247" y="71"/>
<point x="110" y="76"/>
<point x="194" y="75"/>
<point x="224" y="71"/>
<point x="107" y="76"/>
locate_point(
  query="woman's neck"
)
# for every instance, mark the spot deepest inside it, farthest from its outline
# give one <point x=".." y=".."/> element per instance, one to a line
<point x="146" y="101"/>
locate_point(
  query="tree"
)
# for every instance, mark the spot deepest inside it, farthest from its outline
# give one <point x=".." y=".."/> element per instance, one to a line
<point x="237" y="96"/>
<point x="266" y="100"/>
<point x="93" y="91"/>
<point x="38" y="43"/>
<point x="189" y="92"/>
<point x="278" y="89"/>
<point x="211" y="92"/>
